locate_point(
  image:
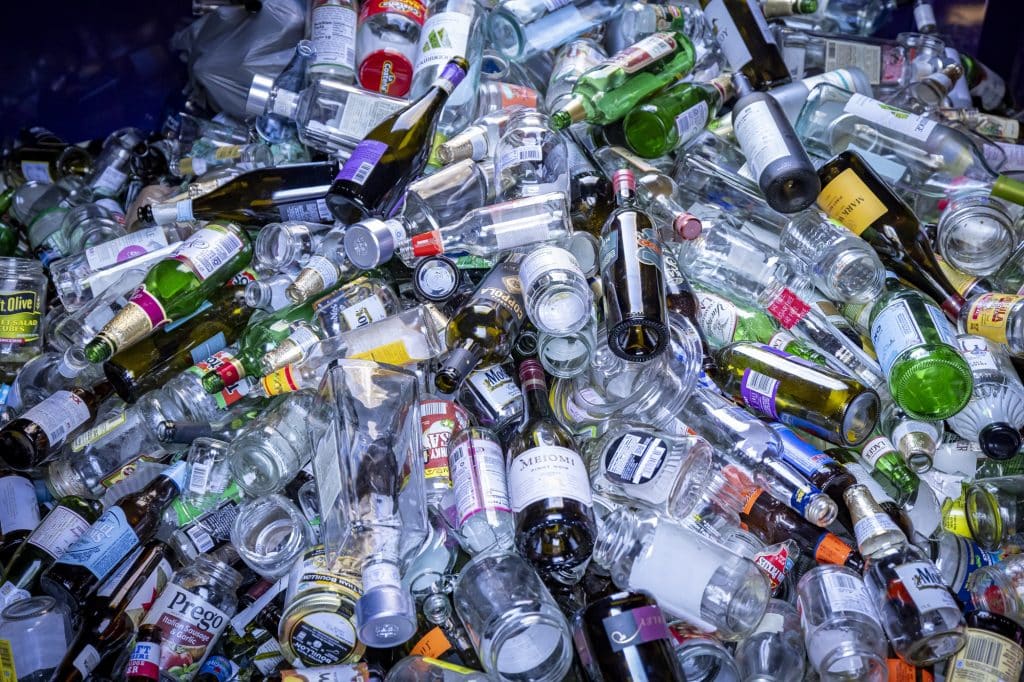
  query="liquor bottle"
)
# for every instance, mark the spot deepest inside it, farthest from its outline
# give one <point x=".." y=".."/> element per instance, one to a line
<point x="672" y="118"/>
<point x="919" y="613"/>
<point x="607" y="92"/>
<point x="884" y="462"/>
<point x="520" y="30"/>
<point x="994" y="416"/>
<point x="775" y="157"/>
<point x="997" y="317"/>
<point x="530" y="158"/>
<point x="572" y="60"/>
<point x="151" y="362"/>
<point x="483" y="329"/>
<point x="20" y="510"/>
<point x="817" y="467"/>
<point x="208" y="155"/>
<point x="633" y="279"/>
<point x="925" y="96"/>
<point x="549" y="489"/>
<point x="264" y="195"/>
<point x="916" y="347"/>
<point x="131" y="521"/>
<point x="36" y="435"/>
<point x="48" y="373"/>
<point x="175" y="287"/>
<point x="332" y="30"/>
<point x="623" y="636"/>
<point x="372" y="180"/>
<point x="47" y="542"/>
<point x="854" y="195"/>
<point x="43" y="157"/>
<point x="776" y="385"/>
<point x="747" y="42"/>
<point x="479" y="139"/>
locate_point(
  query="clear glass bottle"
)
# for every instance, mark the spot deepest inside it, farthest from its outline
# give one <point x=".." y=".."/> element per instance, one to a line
<point x="523" y="28"/>
<point x="558" y="297"/>
<point x="479" y="481"/>
<point x="995" y="414"/>
<point x="976" y="234"/>
<point x="775" y="651"/>
<point x="478" y="140"/>
<point x="269" y="534"/>
<point x="332" y="30"/>
<point x="997" y="588"/>
<point x="991" y="507"/>
<point x="530" y="158"/>
<point x="568" y="356"/>
<point x="573" y="60"/>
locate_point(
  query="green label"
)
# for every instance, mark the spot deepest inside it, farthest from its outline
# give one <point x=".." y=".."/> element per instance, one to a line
<point x="19" y="316"/>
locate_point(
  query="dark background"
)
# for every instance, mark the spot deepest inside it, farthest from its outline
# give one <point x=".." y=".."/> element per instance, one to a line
<point x="83" y="68"/>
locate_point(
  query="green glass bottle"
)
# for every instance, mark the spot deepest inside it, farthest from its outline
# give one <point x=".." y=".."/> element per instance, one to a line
<point x="916" y="347"/>
<point x="607" y="92"/>
<point x="886" y="464"/>
<point x="8" y="231"/>
<point x="175" y="287"/>
<point x="674" y="117"/>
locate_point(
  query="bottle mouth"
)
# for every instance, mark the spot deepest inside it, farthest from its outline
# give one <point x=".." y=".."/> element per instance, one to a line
<point x="999" y="441"/>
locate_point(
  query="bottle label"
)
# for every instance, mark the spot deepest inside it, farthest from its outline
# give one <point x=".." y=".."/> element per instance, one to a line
<point x="924" y="584"/>
<point x="774" y="564"/>
<point x="528" y="153"/>
<point x="363" y="112"/>
<point x="104" y="545"/>
<point x="58" y="531"/>
<point x="986" y="656"/>
<point x="206" y="251"/>
<point x="893" y="331"/>
<point x="506" y="293"/>
<point x="213" y="527"/>
<point x="495" y="389"/>
<point x="234" y="390"/>
<point x="19" y="317"/>
<point x="327" y="270"/>
<point x="757" y="134"/>
<point x="216" y="668"/>
<point x="391" y="353"/>
<point x="307" y="211"/>
<point x="9" y="594"/>
<point x="847" y="200"/>
<point x="847" y="593"/>
<point x="832" y="550"/>
<point x="978" y="355"/>
<point x="125" y="248"/>
<point x="433" y="644"/>
<point x="478" y="478"/>
<point x="445" y="35"/>
<point x="439" y="419"/>
<point x="875" y="449"/>
<point x="268" y="657"/>
<point x="38" y="171"/>
<point x="717" y="317"/>
<point x="692" y="121"/>
<point x="144" y="661"/>
<point x="961" y="281"/>
<point x="890" y="117"/>
<point x="512" y="95"/>
<point x="759" y="391"/>
<point x="645" y="52"/>
<point x="788" y="309"/>
<point x="333" y="32"/>
<point x="58" y="415"/>
<point x="802" y="456"/>
<point x="547" y="471"/>
<point x="843" y="54"/>
<point x="873" y="525"/>
<point x="189" y="625"/>
<point x="989" y="314"/>
<point x="413" y="10"/>
<point x="635" y="458"/>
<point x="364" y="312"/>
<point x="19" y="509"/>
<point x="636" y="626"/>
<point x="363" y="160"/>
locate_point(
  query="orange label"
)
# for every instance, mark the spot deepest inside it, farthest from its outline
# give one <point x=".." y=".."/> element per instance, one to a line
<point x="832" y="550"/>
<point x="751" y="500"/>
<point x="988" y="314"/>
<point x="901" y="671"/>
<point x="432" y="644"/>
<point x="848" y="200"/>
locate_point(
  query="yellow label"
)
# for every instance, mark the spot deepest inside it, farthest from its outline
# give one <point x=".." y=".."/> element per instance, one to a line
<point x="986" y="656"/>
<point x="954" y="517"/>
<point x="7" y="671"/>
<point x="280" y="381"/>
<point x="988" y="315"/>
<point x="961" y="281"/>
<point x="394" y="353"/>
<point x="228" y="152"/>
<point x="185" y="165"/>
<point x="848" y="200"/>
<point x="449" y="666"/>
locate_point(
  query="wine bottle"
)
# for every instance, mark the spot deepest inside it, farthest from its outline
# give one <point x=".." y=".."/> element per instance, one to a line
<point x="391" y="155"/>
<point x="672" y="118"/>
<point x="635" y="309"/>
<point x="483" y="329"/>
<point x="175" y="287"/>
<point x="19" y="510"/>
<point x="264" y="195"/>
<point x="854" y="195"/>
<point x="747" y="42"/>
<point x="44" y="158"/>
<point x="549" y="488"/>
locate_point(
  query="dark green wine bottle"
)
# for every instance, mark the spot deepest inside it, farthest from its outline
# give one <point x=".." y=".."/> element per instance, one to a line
<point x="391" y="155"/>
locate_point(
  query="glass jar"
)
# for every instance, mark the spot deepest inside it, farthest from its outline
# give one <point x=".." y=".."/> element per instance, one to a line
<point x="270" y="533"/>
<point x="34" y="635"/>
<point x="318" y="626"/>
<point x="702" y="656"/>
<point x="22" y="306"/>
<point x="1000" y="588"/>
<point x="193" y="611"/>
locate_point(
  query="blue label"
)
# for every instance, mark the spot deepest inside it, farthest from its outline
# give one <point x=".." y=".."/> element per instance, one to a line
<point x="101" y="548"/>
<point x="209" y="347"/>
<point x="799" y="454"/>
<point x="974" y="558"/>
<point x="218" y="667"/>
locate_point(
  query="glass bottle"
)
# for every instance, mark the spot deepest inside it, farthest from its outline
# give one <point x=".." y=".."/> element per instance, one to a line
<point x="817" y="467"/>
<point x="269" y="534"/>
<point x="386" y="41"/>
<point x="920" y="616"/>
<point x="273" y="447"/>
<point x="478" y="140"/>
<point x="23" y="291"/>
<point x="479" y="482"/>
<point x="996" y="317"/>
<point x="672" y="118"/>
<point x="558" y="297"/>
<point x="775" y="651"/>
<point x="530" y="158"/>
<point x="976" y="234"/>
<point x="993" y="649"/>
<point x="520" y="29"/>
<point x="573" y="59"/>
<point x="995" y="414"/>
<point x="746" y="41"/>
<point x="332" y="30"/>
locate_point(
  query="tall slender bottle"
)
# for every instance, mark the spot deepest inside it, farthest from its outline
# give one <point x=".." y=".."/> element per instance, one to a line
<point x="391" y="155"/>
<point x="636" y="313"/>
<point x="748" y="43"/>
<point x="549" y="488"/>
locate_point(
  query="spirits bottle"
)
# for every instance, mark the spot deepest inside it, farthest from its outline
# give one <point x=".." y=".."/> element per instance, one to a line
<point x="916" y="347"/>
<point x="271" y="126"/>
<point x="672" y="118"/>
<point x="479" y="139"/>
<point x="997" y="317"/>
<point x="549" y="490"/>
<point x="817" y="467"/>
<point x="520" y="30"/>
<point x="573" y="60"/>
<point x="920" y="616"/>
<point x="332" y="30"/>
<point x="48" y="373"/>
<point x="747" y="41"/>
<point x="264" y="195"/>
<point x="607" y="92"/>
<point x="391" y="155"/>
<point x="530" y="158"/>
<point x="633" y="278"/>
<point x="796" y="392"/>
<point x="175" y="287"/>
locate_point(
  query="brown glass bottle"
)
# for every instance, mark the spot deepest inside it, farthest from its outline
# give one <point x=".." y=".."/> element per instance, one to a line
<point x="29" y="440"/>
<point x="441" y="634"/>
<point x="592" y="199"/>
<point x="132" y="520"/>
<point x="854" y="195"/>
<point x="773" y="522"/>
<point x="549" y="488"/>
<point x="825" y="473"/>
<point x="635" y="311"/>
<point x="746" y="40"/>
<point x="682" y="300"/>
<point x="144" y="661"/>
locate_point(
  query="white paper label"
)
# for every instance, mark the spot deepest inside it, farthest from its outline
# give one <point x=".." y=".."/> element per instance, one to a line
<point x="89" y="437"/>
<point x="925" y="586"/>
<point x="208" y="250"/>
<point x="893" y="331"/>
<point x="125" y="248"/>
<point x="517" y="155"/>
<point x="513" y="233"/>
<point x="110" y="180"/>
<point x="841" y="54"/>
<point x="758" y="137"/>
<point x="382" y="574"/>
<point x="58" y="531"/>
<point x="327" y="270"/>
<point x="36" y="170"/>
<point x="18" y="507"/>
<point x="875" y="449"/>
<point x="891" y="118"/>
<point x="692" y="121"/>
<point x="307" y="211"/>
<point x="363" y="112"/>
<point x="186" y="620"/>
<point x="444" y="36"/>
<point x="333" y="32"/>
<point x="59" y="415"/>
<point x="873" y="525"/>
<point x="364" y="312"/>
<point x="87" y="660"/>
<point x="717" y="317"/>
<point x="847" y="593"/>
<point x="977" y="354"/>
<point x="547" y="471"/>
<point x="942" y="325"/>
<point x="477" y="469"/>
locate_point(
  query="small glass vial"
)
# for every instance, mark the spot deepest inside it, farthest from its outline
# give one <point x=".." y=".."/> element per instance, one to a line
<point x="558" y="297"/>
<point x="22" y="306"/>
<point x="270" y="533"/>
<point x="484" y="514"/>
<point x="775" y="651"/>
<point x="726" y="592"/>
<point x="515" y="624"/>
<point x="842" y="632"/>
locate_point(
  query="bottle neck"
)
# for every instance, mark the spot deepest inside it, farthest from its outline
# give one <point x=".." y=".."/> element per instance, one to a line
<point x="535" y="389"/>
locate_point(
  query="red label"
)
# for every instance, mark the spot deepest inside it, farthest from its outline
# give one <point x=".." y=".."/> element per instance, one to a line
<point x="788" y="308"/>
<point x="144" y="661"/>
<point x="411" y="9"/>
<point x="154" y="311"/>
<point x="427" y="244"/>
<point x="439" y="419"/>
<point x="386" y="72"/>
<point x="230" y="371"/>
<point x="773" y="565"/>
<point x="512" y="95"/>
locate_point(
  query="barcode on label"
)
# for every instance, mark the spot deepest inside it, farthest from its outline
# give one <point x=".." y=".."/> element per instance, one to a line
<point x="201" y="538"/>
<point x="651" y="464"/>
<point x="362" y="172"/>
<point x="200" y="477"/>
<point x="762" y="383"/>
<point x="986" y="651"/>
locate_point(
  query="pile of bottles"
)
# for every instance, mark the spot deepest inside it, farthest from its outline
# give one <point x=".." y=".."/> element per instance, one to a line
<point x="527" y="341"/>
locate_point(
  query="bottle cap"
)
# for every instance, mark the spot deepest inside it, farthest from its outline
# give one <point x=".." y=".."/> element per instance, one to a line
<point x="687" y="226"/>
<point x="259" y="95"/>
<point x="999" y="441"/>
<point x="623" y="179"/>
<point x="369" y="243"/>
<point x="386" y="616"/>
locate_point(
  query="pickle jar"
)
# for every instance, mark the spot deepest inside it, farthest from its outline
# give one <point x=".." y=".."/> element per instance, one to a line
<point x="22" y="306"/>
